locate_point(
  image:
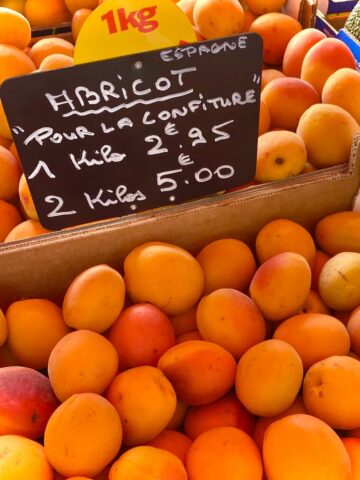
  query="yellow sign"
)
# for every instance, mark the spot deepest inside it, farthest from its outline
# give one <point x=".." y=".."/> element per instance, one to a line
<point x="123" y="27"/>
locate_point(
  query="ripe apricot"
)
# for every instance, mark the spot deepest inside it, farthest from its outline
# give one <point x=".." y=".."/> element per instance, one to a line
<point x="269" y="75"/>
<point x="35" y="327"/>
<point x="227" y="263"/>
<point x="23" y="458"/>
<point x="284" y="235"/>
<point x="141" y="334"/>
<point x="185" y="322"/>
<point x="218" y="18"/>
<point x="15" y="28"/>
<point x="339" y="232"/>
<point x="264" y="119"/>
<point x="339" y="282"/>
<point x="4" y="125"/>
<point x="164" y="275"/>
<point x="188" y="336"/>
<point x="314" y="336"/>
<point x="56" y="61"/>
<point x="10" y="174"/>
<point x="174" y="442"/>
<point x="78" y="20"/>
<point x="187" y="6"/>
<point x="9" y="218"/>
<point x="48" y="46"/>
<point x="94" y="299"/>
<point x="287" y="99"/>
<point x="74" y="5"/>
<point x="259" y="7"/>
<point x="230" y="319"/>
<point x="17" y="5"/>
<point x="352" y="446"/>
<point x="328" y="132"/>
<point x="146" y="390"/>
<point x="225" y="453"/>
<point x="281" y="285"/>
<point x="325" y="58"/>
<point x="26" y="229"/>
<point x="269" y="377"/>
<point x="26" y="200"/>
<point x="263" y="423"/>
<point x="5" y="142"/>
<point x="3" y="329"/>
<point x="314" y="304"/>
<point x="281" y="154"/>
<point x="148" y="463"/>
<point x="200" y="372"/>
<point x="82" y="361"/>
<point x="276" y="30"/>
<point x="249" y="17"/>
<point x="178" y="416"/>
<point x="319" y="261"/>
<point x="301" y="446"/>
<point x="228" y="411"/>
<point x="53" y="12"/>
<point x="297" y="48"/>
<point x="87" y="429"/>
<point x="353" y="327"/>
<point x="14" y="62"/>
<point x="331" y="391"/>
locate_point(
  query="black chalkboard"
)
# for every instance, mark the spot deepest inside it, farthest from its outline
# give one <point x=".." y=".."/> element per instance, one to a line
<point x="119" y="136"/>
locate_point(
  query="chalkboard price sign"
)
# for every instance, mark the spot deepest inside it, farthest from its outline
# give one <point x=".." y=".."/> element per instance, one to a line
<point x="119" y="136"/>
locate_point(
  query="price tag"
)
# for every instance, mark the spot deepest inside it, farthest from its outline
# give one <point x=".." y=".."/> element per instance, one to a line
<point x="123" y="27"/>
<point x="110" y="138"/>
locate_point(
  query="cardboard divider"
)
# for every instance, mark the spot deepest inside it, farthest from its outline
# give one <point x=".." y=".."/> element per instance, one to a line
<point x="43" y="267"/>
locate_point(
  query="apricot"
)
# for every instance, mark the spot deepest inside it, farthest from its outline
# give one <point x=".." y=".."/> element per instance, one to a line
<point x="10" y="174"/>
<point x="264" y="119"/>
<point x="281" y="154"/>
<point x="75" y="5"/>
<point x="353" y="327"/>
<point x="27" y="402"/>
<point x="314" y="304"/>
<point x="53" y="12"/>
<point x="297" y="48"/>
<point x="287" y="100"/>
<point x="9" y="218"/>
<point x="189" y="336"/>
<point x="331" y="391"/>
<point x="259" y="7"/>
<point x="26" y="229"/>
<point x="22" y="458"/>
<point x="319" y="261"/>
<point x="14" y="62"/>
<point x="228" y="411"/>
<point x="35" y="327"/>
<point x="178" y="416"/>
<point x="5" y="142"/>
<point x="249" y="17"/>
<point x="339" y="283"/>
<point x="185" y="322"/>
<point x="87" y="429"/>
<point x="4" y="125"/>
<point x="269" y="377"/>
<point x="352" y="446"/>
<point x="301" y="446"/>
<point x="323" y="59"/>
<point x="146" y="390"/>
<point x="314" y="336"/>
<point x="56" y="61"/>
<point x="48" y="46"/>
<point x="78" y="20"/>
<point x="82" y="361"/>
<point x="225" y="453"/>
<point x="187" y="6"/>
<point x="15" y="28"/>
<point x="94" y="299"/>
<point x="26" y="200"/>
<point x="148" y="463"/>
<point x="174" y="442"/>
<point x="141" y="334"/>
<point x="3" y="329"/>
<point x="200" y="372"/>
<point x="282" y="235"/>
<point x="269" y="75"/>
<point x="227" y="263"/>
<point x="281" y="285"/>
<point x="230" y="319"/>
<point x="218" y="18"/>
<point x="276" y="30"/>
<point x="149" y="277"/>
<point x="263" y="423"/>
<point x="339" y="232"/>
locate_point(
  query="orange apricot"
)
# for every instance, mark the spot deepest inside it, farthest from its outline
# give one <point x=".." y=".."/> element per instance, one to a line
<point x="26" y="229"/>
<point x="48" y="46"/>
<point x="146" y="390"/>
<point x="53" y="12"/>
<point x="228" y="411"/>
<point x="331" y="391"/>
<point x="14" y="62"/>
<point x="230" y="319"/>
<point x="5" y="142"/>
<point x="297" y="48"/>
<point x="189" y="336"/>
<point x="78" y="20"/>
<point x="185" y="322"/>
<point x="26" y="200"/>
<point x="264" y="119"/>
<point x="218" y="18"/>
<point x="74" y="5"/>
<point x="178" y="416"/>
<point x="339" y="232"/>
<point x="301" y="446"/>
<point x="276" y="30"/>
<point x="56" y="61"/>
<point x="174" y="442"/>
<point x="315" y="304"/>
<point x="225" y="453"/>
<point x="227" y="263"/>
<point x="314" y="336"/>
<point x="319" y="261"/>
<point x="259" y="7"/>
<point x="249" y="17"/>
<point x="82" y="362"/>
<point x="15" y="28"/>
<point x="35" y="327"/>
<point x="200" y="372"/>
<point x="3" y="328"/>
<point x="282" y="235"/>
<point x="4" y="125"/>
<point x="268" y="378"/>
<point x="148" y="277"/>
<point x="352" y="446"/>
<point x="9" y="218"/>
<point x="281" y="285"/>
<point x="353" y="327"/>
<point x="87" y="429"/>
<point x="10" y="174"/>
<point x="269" y="75"/>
